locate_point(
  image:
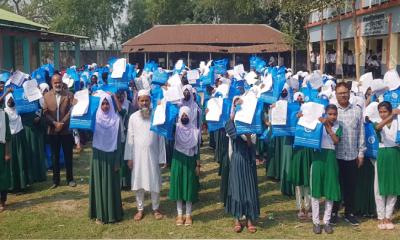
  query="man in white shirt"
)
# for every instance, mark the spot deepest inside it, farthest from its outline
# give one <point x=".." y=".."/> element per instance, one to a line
<point x="145" y="151"/>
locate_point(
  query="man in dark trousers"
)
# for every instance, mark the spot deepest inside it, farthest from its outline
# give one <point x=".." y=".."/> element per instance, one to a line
<point x="57" y="109"/>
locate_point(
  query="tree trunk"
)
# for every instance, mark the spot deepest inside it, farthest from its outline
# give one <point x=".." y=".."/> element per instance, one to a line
<point x="356" y="42"/>
<point x="308" y="50"/>
<point x="339" y="45"/>
<point x="321" y="44"/>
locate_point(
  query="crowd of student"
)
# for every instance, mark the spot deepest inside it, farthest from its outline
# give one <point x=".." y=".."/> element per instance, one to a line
<point x="312" y="133"/>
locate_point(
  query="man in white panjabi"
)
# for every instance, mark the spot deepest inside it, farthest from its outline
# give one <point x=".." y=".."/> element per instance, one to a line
<point x="145" y="151"/>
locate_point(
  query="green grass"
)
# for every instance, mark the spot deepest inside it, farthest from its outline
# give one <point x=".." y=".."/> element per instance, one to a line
<point x="62" y="213"/>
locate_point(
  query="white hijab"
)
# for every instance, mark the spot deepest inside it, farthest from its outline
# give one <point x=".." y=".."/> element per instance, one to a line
<point x="13" y="117"/>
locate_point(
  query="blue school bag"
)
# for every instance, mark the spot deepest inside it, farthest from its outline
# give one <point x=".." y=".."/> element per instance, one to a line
<point x="256" y="126"/>
<point x="226" y="109"/>
<point x="87" y="121"/>
<point x="290" y="128"/>
<point x="166" y="129"/>
<point x="160" y="77"/>
<point x="308" y="138"/>
<point x="257" y="63"/>
<point x="309" y="94"/>
<point x="208" y="79"/>
<point x="220" y="66"/>
<point x="270" y="97"/>
<point x="22" y="105"/>
<point x="371" y="141"/>
<point x="393" y="97"/>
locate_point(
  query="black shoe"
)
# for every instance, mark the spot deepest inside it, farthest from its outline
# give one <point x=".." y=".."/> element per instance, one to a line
<point x="53" y="186"/>
<point x="328" y="228"/>
<point x="317" y="229"/>
<point x="334" y="219"/>
<point x="351" y="219"/>
<point x="72" y="184"/>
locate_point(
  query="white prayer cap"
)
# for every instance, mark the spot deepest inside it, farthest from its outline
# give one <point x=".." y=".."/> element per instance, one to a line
<point x="144" y="92"/>
<point x="43" y="87"/>
<point x="297" y="94"/>
<point x="392" y="79"/>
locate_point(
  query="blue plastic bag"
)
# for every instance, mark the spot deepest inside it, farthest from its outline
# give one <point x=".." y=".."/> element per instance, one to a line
<point x="256" y="126"/>
<point x="257" y="63"/>
<point x="160" y="77"/>
<point x="290" y="128"/>
<point x="393" y="97"/>
<point x="208" y="79"/>
<point x="87" y="121"/>
<point x="150" y="66"/>
<point x="305" y="137"/>
<point x="371" y="141"/>
<point x="22" y="105"/>
<point x="220" y="66"/>
<point x="156" y="94"/>
<point x="166" y="129"/>
<point x="278" y="82"/>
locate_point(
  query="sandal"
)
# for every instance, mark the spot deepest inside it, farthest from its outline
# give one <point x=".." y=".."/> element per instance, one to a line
<point x="138" y="216"/>
<point x="251" y="228"/>
<point x="238" y="227"/>
<point x="158" y="215"/>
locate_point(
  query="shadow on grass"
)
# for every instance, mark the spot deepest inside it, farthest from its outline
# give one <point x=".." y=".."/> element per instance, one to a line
<point x="46" y="199"/>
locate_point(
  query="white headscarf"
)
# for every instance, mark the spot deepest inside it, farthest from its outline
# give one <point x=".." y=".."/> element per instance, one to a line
<point x="296" y="95"/>
<point x="13" y="117"/>
<point x="105" y="136"/>
<point x="186" y="136"/>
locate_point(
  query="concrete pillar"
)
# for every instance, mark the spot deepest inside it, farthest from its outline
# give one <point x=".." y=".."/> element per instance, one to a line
<point x="167" y="63"/>
<point x="394" y="51"/>
<point x="188" y="59"/>
<point x="26" y="55"/>
<point x="363" y="53"/>
<point x="77" y="53"/>
<point x="56" y="55"/>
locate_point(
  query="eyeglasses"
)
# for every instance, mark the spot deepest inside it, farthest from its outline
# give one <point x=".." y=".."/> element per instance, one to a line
<point x="342" y="93"/>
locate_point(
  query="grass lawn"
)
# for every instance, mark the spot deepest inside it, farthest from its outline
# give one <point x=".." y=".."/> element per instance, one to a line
<point x="63" y="213"/>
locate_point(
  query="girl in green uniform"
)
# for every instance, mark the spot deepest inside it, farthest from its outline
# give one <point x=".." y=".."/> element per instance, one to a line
<point x="324" y="180"/>
<point x="185" y="167"/>
<point x="387" y="178"/>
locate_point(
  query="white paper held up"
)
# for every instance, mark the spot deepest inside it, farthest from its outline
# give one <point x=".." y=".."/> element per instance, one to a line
<point x="82" y="105"/>
<point x="18" y="78"/>
<point x="118" y="68"/>
<point x="311" y="113"/>
<point x="247" y="110"/>
<point x="214" y="107"/>
<point x="159" y="114"/>
<point x="279" y="113"/>
<point x="192" y="76"/>
<point x="31" y="90"/>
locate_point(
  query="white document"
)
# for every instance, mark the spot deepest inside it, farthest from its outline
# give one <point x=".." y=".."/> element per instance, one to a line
<point x="311" y="113"/>
<point x="371" y="111"/>
<point x="251" y="78"/>
<point x="214" y="107"/>
<point x="247" y="110"/>
<point x="377" y="85"/>
<point x="175" y="80"/>
<point x="355" y="87"/>
<point x="223" y="89"/>
<point x="192" y="76"/>
<point x="365" y="81"/>
<point x="118" y="68"/>
<point x="267" y="84"/>
<point x="239" y="69"/>
<point x="18" y="78"/>
<point x="392" y="79"/>
<point x="31" y="90"/>
<point x="173" y="93"/>
<point x="279" y="113"/>
<point x="159" y="114"/>
<point x="82" y="105"/>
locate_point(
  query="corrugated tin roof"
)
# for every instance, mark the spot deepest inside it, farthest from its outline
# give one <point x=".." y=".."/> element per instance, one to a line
<point x="260" y="48"/>
<point x="208" y="34"/>
<point x="228" y="38"/>
<point x="15" y="19"/>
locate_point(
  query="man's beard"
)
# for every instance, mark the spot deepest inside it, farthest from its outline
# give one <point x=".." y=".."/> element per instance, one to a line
<point x="58" y="90"/>
<point x="145" y="112"/>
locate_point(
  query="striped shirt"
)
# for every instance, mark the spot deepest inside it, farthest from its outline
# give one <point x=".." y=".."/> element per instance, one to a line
<point x="352" y="142"/>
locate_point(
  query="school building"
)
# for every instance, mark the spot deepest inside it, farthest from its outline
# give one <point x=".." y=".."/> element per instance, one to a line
<point x="200" y="42"/>
<point x="23" y="42"/>
<point x="378" y="24"/>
